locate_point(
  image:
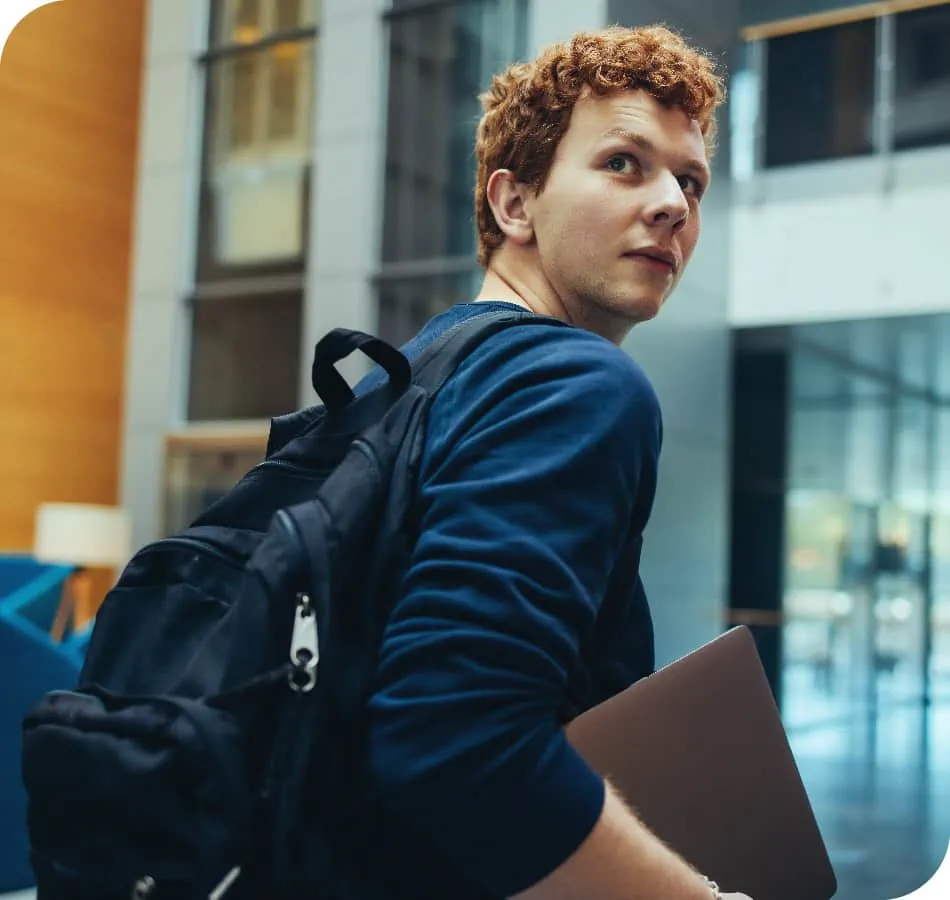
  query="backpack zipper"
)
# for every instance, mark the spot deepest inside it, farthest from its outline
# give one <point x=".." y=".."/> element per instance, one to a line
<point x="306" y="471"/>
<point x="305" y="635"/>
<point x="367" y="450"/>
<point x="302" y="678"/>
<point x="233" y="560"/>
<point x="304" y="647"/>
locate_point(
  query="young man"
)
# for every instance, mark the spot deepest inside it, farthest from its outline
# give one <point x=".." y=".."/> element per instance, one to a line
<point x="522" y="604"/>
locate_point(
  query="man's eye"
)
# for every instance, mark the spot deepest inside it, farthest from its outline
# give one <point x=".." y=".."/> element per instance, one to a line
<point x="622" y="164"/>
<point x="691" y="185"/>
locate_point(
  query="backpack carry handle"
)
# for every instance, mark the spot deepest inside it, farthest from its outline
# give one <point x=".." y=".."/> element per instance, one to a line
<point x="331" y="386"/>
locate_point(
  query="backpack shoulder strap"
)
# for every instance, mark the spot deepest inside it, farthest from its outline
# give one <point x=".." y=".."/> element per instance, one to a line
<point x="442" y="357"/>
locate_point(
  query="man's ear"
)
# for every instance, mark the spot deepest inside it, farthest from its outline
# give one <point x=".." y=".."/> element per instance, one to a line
<point x="506" y="197"/>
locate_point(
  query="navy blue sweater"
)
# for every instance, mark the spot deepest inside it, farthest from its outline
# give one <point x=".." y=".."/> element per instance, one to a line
<point x="521" y="605"/>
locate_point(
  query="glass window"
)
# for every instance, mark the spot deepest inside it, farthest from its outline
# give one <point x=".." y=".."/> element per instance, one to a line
<point x="259" y="118"/>
<point x="819" y="94"/>
<point x="253" y="209"/>
<point x="200" y="469"/>
<point x="940" y="546"/>
<point x="940" y="612"/>
<point x="251" y="21"/>
<point x="245" y="356"/>
<point x="254" y="198"/>
<point x="743" y="123"/>
<point x="922" y="78"/>
<point x="406" y="304"/>
<point x="912" y="475"/>
<point x="941" y="473"/>
<point x="441" y="56"/>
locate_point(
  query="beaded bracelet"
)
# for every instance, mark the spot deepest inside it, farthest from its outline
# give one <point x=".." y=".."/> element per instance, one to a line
<point x="717" y="894"/>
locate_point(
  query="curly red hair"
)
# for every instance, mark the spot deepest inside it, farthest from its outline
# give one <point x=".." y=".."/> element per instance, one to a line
<point x="527" y="108"/>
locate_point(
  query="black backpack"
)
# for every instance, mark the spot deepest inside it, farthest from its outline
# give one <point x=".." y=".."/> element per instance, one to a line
<point x="211" y="748"/>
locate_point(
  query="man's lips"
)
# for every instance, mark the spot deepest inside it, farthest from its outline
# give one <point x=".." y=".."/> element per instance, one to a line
<point x="656" y="257"/>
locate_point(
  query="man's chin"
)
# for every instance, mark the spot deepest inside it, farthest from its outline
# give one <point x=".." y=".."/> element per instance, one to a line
<point x="645" y="307"/>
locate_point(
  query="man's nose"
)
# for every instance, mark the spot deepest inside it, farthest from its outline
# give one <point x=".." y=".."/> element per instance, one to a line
<point x="668" y="204"/>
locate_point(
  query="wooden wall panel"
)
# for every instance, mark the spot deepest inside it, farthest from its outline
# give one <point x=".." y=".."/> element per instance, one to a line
<point x="70" y="81"/>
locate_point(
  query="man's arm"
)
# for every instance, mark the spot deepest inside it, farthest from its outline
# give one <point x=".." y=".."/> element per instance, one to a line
<point x="541" y="457"/>
<point x="621" y="860"/>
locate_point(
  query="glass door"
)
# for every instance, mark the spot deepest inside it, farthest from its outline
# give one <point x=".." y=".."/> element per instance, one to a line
<point x="899" y="640"/>
<point x="827" y="603"/>
<point x="938" y="640"/>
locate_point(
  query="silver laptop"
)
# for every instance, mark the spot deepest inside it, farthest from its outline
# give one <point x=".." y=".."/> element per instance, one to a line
<point x="699" y="751"/>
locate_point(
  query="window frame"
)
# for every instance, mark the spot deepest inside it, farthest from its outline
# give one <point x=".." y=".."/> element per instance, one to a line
<point x="885" y="15"/>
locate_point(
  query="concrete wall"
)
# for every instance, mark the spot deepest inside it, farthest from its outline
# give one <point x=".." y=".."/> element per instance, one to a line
<point x="686" y="353"/>
<point x="844" y="239"/>
<point x="165" y="239"/>
<point x="349" y="154"/>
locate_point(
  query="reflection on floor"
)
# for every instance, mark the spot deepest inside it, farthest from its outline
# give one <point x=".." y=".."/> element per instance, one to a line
<point x="880" y="785"/>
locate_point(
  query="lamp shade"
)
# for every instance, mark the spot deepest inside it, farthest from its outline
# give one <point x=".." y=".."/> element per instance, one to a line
<point x="81" y="534"/>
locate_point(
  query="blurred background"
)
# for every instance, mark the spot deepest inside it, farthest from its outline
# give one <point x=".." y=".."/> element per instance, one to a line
<point x="194" y="191"/>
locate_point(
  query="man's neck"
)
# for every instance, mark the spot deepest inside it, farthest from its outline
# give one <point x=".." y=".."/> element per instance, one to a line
<point x="501" y="283"/>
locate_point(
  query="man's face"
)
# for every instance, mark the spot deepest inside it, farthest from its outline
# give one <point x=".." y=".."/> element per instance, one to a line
<point x="618" y="219"/>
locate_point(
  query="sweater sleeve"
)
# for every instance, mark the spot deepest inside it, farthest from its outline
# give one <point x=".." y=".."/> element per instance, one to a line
<point x="541" y="456"/>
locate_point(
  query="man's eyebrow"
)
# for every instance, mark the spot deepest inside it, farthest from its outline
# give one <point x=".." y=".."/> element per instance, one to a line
<point x="694" y="165"/>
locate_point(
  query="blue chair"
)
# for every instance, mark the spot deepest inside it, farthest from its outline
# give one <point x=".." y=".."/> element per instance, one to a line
<point x="31" y="664"/>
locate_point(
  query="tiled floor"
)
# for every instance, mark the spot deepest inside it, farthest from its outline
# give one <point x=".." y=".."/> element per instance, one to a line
<point x="880" y="785"/>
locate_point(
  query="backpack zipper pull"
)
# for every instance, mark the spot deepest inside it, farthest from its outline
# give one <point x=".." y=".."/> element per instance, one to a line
<point x="304" y="647"/>
<point x="226" y="884"/>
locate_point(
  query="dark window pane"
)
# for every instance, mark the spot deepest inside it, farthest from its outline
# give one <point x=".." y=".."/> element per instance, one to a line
<point x="406" y="304"/>
<point x="245" y="357"/>
<point x="820" y="94"/>
<point x="199" y="471"/>
<point x="441" y="58"/>
<point x="922" y="78"/>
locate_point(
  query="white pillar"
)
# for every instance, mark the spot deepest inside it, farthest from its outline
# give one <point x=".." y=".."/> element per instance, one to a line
<point x="163" y="263"/>
<point x="346" y="204"/>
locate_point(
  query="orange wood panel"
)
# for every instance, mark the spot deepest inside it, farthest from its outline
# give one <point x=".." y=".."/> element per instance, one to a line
<point x="70" y="82"/>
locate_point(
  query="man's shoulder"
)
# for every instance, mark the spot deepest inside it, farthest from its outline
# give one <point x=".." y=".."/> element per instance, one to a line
<point x="544" y="348"/>
<point x="565" y="358"/>
<point x="549" y="390"/>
